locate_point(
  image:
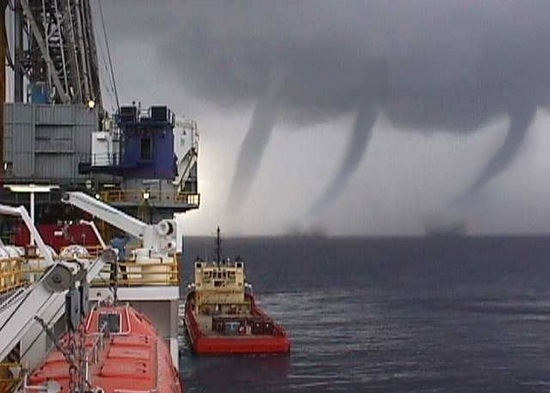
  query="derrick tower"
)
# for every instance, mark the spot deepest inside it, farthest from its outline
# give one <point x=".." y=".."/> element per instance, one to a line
<point x="54" y="49"/>
<point x="53" y="101"/>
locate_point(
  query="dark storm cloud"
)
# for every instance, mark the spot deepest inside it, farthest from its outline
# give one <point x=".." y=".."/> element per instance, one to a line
<point x="437" y="65"/>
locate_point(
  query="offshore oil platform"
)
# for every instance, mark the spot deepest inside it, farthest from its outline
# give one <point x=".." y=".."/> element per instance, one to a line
<point x="78" y="314"/>
<point x="56" y="136"/>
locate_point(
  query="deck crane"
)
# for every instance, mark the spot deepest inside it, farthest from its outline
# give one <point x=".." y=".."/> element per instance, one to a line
<point x="44" y="299"/>
<point x="154" y="265"/>
<point x="159" y="240"/>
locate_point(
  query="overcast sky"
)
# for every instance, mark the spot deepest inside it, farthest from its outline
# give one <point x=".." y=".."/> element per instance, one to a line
<point x="358" y="117"/>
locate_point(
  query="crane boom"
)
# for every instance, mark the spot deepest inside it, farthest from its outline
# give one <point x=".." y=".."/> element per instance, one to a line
<point x="22" y="212"/>
<point x="158" y="238"/>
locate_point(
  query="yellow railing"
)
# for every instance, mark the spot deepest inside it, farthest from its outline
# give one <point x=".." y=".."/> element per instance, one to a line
<point x="189" y="198"/>
<point x="137" y="196"/>
<point x="11" y="276"/>
<point x="7" y="381"/>
<point x="94" y="251"/>
<point x="133" y="274"/>
<point x="18" y="272"/>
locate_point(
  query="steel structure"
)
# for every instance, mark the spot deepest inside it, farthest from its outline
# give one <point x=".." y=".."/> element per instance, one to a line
<point x="159" y="239"/>
<point x="45" y="298"/>
<point x="51" y="48"/>
<point x="54" y="47"/>
<point x="56" y="125"/>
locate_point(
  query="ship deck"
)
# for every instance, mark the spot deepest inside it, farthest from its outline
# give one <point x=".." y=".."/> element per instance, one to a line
<point x="205" y="323"/>
<point x="251" y="332"/>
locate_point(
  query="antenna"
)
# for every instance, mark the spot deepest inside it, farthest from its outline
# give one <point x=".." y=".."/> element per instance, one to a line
<point x="218" y="245"/>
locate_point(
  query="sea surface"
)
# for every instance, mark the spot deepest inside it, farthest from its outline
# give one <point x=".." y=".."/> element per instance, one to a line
<point x="390" y="315"/>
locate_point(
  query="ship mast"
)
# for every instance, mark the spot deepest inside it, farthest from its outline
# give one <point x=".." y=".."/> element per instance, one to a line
<point x="3" y="45"/>
<point x="218" y="246"/>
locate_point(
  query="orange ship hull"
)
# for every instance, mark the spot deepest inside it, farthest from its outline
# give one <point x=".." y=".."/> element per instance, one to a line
<point x="133" y="359"/>
<point x="268" y="337"/>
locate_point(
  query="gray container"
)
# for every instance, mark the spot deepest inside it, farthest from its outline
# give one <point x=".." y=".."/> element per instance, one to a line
<point x="45" y="143"/>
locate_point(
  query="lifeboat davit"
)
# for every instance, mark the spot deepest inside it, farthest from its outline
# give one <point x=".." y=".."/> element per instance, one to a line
<point x="120" y="351"/>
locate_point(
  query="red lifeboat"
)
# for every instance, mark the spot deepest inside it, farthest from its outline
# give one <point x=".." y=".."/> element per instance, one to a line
<point x="120" y="351"/>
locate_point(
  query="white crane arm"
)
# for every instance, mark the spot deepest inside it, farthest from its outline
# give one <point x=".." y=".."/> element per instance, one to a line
<point x="107" y="213"/>
<point x="92" y="225"/>
<point x="22" y="212"/>
<point x="159" y="238"/>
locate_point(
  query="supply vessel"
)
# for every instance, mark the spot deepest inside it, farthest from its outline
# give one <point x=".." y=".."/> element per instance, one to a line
<point x="222" y="316"/>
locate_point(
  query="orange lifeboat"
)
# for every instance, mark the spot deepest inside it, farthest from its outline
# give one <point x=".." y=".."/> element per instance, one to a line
<point x="117" y="349"/>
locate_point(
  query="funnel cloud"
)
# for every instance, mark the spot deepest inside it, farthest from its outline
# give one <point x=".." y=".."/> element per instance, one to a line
<point x="430" y="66"/>
<point x="262" y="123"/>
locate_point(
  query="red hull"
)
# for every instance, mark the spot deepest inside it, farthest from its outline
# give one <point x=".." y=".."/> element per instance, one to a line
<point x="204" y="344"/>
<point x="59" y="235"/>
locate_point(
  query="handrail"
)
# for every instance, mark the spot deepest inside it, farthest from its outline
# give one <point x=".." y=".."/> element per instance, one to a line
<point x="10" y="275"/>
<point x="97" y="347"/>
<point x="16" y="273"/>
<point x="132" y="274"/>
<point x="91" y="356"/>
<point x="121" y="196"/>
<point x="7" y="381"/>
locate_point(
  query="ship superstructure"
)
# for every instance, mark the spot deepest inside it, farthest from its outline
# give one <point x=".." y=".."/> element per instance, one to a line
<point x="57" y="133"/>
<point x="69" y="162"/>
<point x="154" y="154"/>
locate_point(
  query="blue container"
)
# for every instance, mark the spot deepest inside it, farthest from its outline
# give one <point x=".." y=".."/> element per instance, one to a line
<point x="37" y="93"/>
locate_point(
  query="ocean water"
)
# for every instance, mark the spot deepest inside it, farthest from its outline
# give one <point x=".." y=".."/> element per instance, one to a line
<point x="390" y="315"/>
